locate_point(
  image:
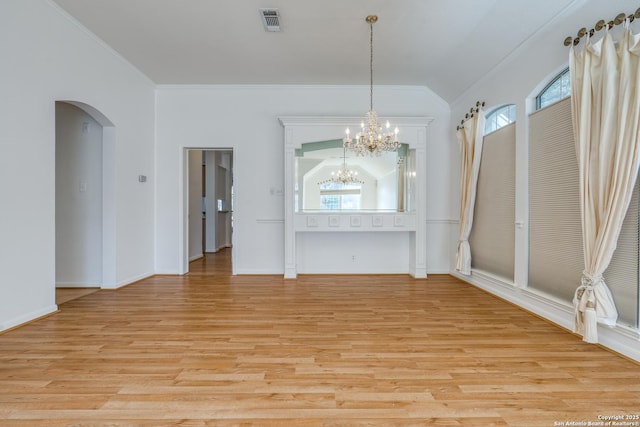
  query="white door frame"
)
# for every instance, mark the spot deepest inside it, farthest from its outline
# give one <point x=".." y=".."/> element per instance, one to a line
<point x="183" y="213"/>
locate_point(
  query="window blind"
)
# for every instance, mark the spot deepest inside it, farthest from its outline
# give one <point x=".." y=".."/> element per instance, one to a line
<point x="492" y="238"/>
<point x="622" y="275"/>
<point x="555" y="235"/>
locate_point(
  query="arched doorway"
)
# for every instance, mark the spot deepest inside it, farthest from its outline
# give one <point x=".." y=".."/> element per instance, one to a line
<point x="85" y="201"/>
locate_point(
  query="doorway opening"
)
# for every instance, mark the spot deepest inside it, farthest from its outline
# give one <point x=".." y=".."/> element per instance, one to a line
<point x="84" y="198"/>
<point x="207" y="205"/>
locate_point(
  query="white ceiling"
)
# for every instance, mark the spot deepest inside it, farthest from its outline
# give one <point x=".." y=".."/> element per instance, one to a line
<point x="416" y="42"/>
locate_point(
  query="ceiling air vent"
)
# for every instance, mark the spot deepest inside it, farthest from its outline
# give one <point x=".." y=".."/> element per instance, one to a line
<point x="270" y="19"/>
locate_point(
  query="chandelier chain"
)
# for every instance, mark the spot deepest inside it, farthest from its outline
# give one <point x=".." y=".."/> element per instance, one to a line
<point x="371" y="66"/>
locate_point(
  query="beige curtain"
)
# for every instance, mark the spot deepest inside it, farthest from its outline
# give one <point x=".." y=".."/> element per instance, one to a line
<point x="470" y="135"/>
<point x="605" y="112"/>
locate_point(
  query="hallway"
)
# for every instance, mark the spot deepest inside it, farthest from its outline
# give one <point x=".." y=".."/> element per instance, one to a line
<point x="212" y="263"/>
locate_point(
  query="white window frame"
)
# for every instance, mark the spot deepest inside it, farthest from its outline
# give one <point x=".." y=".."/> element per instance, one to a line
<point x="563" y="75"/>
<point x="499" y="118"/>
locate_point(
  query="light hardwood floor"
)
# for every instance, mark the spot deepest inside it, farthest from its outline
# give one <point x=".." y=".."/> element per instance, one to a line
<point x="213" y="349"/>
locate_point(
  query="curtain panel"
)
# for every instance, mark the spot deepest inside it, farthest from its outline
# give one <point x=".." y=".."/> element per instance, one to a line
<point x="470" y="136"/>
<point x="605" y="112"/>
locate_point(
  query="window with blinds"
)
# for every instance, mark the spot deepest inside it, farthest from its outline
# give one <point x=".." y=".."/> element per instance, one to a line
<point x="555" y="235"/>
<point x="492" y="238"/>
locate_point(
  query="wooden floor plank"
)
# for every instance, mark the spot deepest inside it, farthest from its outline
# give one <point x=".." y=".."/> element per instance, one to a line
<point x="209" y="348"/>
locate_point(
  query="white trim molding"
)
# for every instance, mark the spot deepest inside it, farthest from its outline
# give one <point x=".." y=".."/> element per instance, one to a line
<point x="270" y="221"/>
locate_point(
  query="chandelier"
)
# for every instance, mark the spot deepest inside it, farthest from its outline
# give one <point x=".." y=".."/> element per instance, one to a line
<point x="343" y="175"/>
<point x="373" y="138"/>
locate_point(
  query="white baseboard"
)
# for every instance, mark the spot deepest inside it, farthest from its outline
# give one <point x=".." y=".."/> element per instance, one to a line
<point x="168" y="273"/>
<point x="76" y="285"/>
<point x="258" y="271"/>
<point x="28" y="317"/>
<point x="620" y="338"/>
<point x="195" y="257"/>
<point x="437" y="271"/>
<point x="129" y="281"/>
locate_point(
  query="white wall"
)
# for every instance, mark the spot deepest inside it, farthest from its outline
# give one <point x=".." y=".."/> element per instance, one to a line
<point x="517" y="81"/>
<point x="245" y="118"/>
<point x="78" y="168"/>
<point x="46" y="57"/>
<point x="360" y="255"/>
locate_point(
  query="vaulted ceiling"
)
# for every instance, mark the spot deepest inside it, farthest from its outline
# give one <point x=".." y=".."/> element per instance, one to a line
<point x="416" y="42"/>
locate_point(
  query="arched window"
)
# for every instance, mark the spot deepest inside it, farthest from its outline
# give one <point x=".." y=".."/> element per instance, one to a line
<point x="499" y="117"/>
<point x="558" y="89"/>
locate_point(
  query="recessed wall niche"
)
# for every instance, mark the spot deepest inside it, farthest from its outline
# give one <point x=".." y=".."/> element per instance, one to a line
<point x="392" y="193"/>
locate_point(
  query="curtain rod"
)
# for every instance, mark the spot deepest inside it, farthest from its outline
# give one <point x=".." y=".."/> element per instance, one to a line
<point x="619" y="19"/>
<point x="471" y="113"/>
